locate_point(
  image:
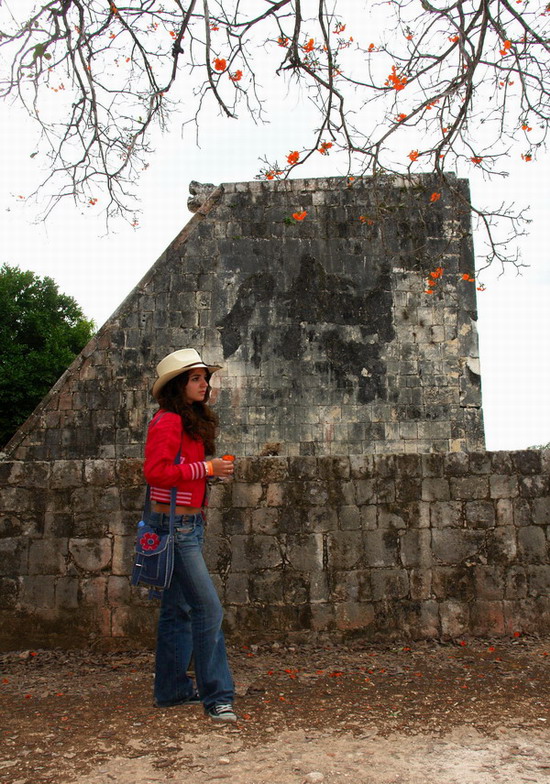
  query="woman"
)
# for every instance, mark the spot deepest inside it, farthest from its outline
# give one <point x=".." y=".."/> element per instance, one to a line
<point x="179" y="437"/>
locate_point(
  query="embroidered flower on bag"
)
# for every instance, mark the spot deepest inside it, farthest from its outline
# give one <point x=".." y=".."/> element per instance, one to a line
<point x="149" y="541"/>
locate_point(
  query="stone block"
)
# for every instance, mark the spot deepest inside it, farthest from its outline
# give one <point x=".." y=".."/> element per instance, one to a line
<point x="350" y="518"/>
<point x="408" y="488"/>
<point x="527" y="461"/>
<point x="522" y="511"/>
<point x="369" y="517"/>
<point x="100" y="473"/>
<point x="351" y="586"/>
<point x="118" y="590"/>
<point x="457" y="464"/>
<point x="91" y="555"/>
<point x="350" y="616"/>
<point x="501" y="546"/>
<point x="415" y="548"/>
<point x="246" y="495"/>
<point x="345" y="549"/>
<point x="420" y="581"/>
<point x="17" y="499"/>
<point x="534" y="486"/>
<point x="48" y="556"/>
<point x="480" y="514"/>
<point x="275" y="494"/>
<point x="389" y="584"/>
<point x="66" y="473"/>
<point x="266" y="587"/>
<point x="264" y="521"/>
<point x="487" y="617"/>
<point x="304" y="552"/>
<point x="296" y="588"/>
<point x="539" y="580"/>
<point x="470" y="487"/>
<point x="255" y="552"/>
<point x="217" y="553"/>
<point x="123" y="554"/>
<point x="503" y="486"/>
<point x="228" y="522"/>
<point x="93" y="591"/>
<point x="455" y="618"/>
<point x="37" y="592"/>
<point x="532" y="544"/>
<point x="66" y="593"/>
<point x="446" y="514"/>
<point x="381" y="548"/>
<point x="489" y="583"/>
<point x="452" y="545"/>
<point x="504" y="512"/>
<point x="388" y="517"/>
<point x="236" y="589"/>
<point x="421" y="620"/>
<point x="319" y="519"/>
<point x="365" y="491"/>
<point x="516" y="583"/>
<point x="541" y="511"/>
<point x="453" y="582"/>
<point x="435" y="489"/>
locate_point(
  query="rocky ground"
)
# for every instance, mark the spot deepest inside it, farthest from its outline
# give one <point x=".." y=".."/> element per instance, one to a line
<point x="472" y="711"/>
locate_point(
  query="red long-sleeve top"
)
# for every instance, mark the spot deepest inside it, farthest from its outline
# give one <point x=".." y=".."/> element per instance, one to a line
<point x="165" y="437"/>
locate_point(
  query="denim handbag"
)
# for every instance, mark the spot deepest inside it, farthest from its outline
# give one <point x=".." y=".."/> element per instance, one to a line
<point x="154" y="552"/>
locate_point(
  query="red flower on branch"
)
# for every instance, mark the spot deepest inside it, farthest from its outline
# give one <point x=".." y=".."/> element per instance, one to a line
<point x="476" y="159"/>
<point x="293" y="157"/>
<point x="325" y="147"/>
<point x="236" y="77"/>
<point x="309" y="47"/>
<point x="220" y="64"/>
<point x="413" y="155"/>
<point x="395" y="80"/>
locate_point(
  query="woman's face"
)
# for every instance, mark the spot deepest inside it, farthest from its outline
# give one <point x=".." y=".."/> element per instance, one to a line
<point x="196" y="387"/>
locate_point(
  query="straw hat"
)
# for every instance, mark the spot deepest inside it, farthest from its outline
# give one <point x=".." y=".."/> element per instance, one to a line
<point x="178" y="362"/>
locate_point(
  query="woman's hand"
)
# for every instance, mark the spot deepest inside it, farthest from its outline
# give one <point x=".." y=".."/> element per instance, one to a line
<point x="221" y="467"/>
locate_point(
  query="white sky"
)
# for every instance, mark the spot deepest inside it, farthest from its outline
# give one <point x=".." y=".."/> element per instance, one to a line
<point x="99" y="271"/>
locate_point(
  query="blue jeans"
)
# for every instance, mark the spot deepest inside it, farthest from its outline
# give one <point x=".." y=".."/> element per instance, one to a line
<point x="190" y="623"/>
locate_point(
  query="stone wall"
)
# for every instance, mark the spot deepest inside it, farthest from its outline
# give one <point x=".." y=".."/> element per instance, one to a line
<point x="382" y="546"/>
<point x="328" y="340"/>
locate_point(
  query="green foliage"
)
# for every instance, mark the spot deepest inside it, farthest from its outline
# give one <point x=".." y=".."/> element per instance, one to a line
<point x="41" y="332"/>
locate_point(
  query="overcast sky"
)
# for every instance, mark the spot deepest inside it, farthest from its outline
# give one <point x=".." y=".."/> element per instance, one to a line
<point x="100" y="269"/>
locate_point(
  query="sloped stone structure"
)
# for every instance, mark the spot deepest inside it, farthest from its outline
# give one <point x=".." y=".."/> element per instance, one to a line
<point x="329" y="343"/>
<point x="362" y="500"/>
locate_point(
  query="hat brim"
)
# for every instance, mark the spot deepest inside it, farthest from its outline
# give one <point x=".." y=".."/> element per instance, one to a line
<point x="166" y="377"/>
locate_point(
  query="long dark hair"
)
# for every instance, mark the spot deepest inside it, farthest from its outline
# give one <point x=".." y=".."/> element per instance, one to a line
<point x="198" y="420"/>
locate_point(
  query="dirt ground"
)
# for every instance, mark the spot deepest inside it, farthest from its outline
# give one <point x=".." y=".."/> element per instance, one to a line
<point x="472" y="711"/>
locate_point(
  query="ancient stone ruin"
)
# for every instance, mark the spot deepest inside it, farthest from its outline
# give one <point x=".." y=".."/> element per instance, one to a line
<point x="350" y="393"/>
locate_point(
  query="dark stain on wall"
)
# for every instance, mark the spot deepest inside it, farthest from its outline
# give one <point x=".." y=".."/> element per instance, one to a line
<point x="308" y="315"/>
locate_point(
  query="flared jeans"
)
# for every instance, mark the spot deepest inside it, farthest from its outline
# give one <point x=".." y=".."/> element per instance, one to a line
<point x="190" y="624"/>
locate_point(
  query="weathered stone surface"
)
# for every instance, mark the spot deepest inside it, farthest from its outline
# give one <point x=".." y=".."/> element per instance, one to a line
<point x="91" y="555"/>
<point x="532" y="544"/>
<point x="415" y="567"/>
<point x="322" y="328"/>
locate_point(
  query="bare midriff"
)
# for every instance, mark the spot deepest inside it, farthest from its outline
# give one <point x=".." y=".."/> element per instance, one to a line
<point x="180" y="510"/>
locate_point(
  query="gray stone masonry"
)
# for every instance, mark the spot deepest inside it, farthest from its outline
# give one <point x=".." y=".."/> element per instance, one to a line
<point x="379" y="545"/>
<point x="329" y="343"/>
